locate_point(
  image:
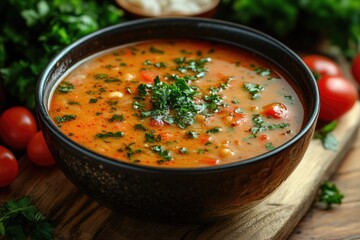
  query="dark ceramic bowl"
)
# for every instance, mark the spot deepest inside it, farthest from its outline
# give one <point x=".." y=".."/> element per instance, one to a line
<point x="178" y="195"/>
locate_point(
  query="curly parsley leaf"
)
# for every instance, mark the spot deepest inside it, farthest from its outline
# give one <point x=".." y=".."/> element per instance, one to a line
<point x="170" y="103"/>
<point x="254" y="89"/>
<point x="330" y="194"/>
<point x="19" y="219"/>
<point x="328" y="139"/>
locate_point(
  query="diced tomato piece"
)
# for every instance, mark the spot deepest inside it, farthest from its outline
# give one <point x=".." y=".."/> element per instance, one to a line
<point x="209" y="161"/>
<point x="263" y="137"/>
<point x="275" y="110"/>
<point x="204" y="138"/>
<point x="166" y="136"/>
<point x="156" y="123"/>
<point x="148" y="75"/>
<point x="238" y="118"/>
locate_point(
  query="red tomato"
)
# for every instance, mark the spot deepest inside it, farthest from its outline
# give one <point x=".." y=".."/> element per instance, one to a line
<point x="322" y="66"/>
<point x="8" y="167"/>
<point x="275" y="110"/>
<point x="337" y="96"/>
<point x="148" y="76"/>
<point x="38" y="151"/>
<point x="17" y="127"/>
<point x="355" y="68"/>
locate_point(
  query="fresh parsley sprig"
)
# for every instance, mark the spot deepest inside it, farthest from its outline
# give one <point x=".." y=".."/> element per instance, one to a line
<point x="330" y="194"/>
<point x="19" y="219"/>
<point x="326" y="136"/>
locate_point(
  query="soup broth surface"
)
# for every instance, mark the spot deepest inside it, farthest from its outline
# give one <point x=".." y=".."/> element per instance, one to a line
<point x="177" y="103"/>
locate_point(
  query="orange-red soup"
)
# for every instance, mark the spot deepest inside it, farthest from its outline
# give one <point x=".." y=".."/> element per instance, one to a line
<point x="177" y="103"/>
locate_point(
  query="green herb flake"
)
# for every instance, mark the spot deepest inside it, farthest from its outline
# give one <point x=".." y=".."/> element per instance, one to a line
<point x="150" y="137"/>
<point x="130" y="152"/>
<point x="156" y="50"/>
<point x="140" y="127"/>
<point x="73" y="103"/>
<point x="214" y="130"/>
<point x="261" y="126"/>
<point x="65" y="87"/>
<point x="105" y="135"/>
<point x="183" y="150"/>
<point x="265" y="72"/>
<point x="254" y="89"/>
<point x="65" y="118"/>
<point x="93" y="100"/>
<point x="111" y="80"/>
<point x="163" y="153"/>
<point x="117" y="118"/>
<point x="269" y="146"/>
<point x="101" y="76"/>
<point x="192" y="134"/>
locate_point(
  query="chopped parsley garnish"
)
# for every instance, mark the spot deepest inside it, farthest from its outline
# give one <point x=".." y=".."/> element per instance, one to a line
<point x="213" y="102"/>
<point x="261" y="126"/>
<point x="140" y="127"/>
<point x="160" y="65"/>
<point x="110" y="80"/>
<point x="73" y="103"/>
<point x="104" y="135"/>
<point x="330" y="194"/>
<point x="172" y="103"/>
<point x="156" y="50"/>
<point x="254" y="89"/>
<point x="93" y="100"/>
<point x="101" y="76"/>
<point x="214" y="130"/>
<point x="112" y="104"/>
<point x="65" y="118"/>
<point x="106" y="78"/>
<point x="130" y="151"/>
<point x="150" y="137"/>
<point x="65" y="87"/>
<point x="183" y="150"/>
<point x="19" y="219"/>
<point x="269" y="146"/>
<point x="197" y="66"/>
<point x="117" y="118"/>
<point x="163" y="153"/>
<point x="192" y="134"/>
<point x="328" y="139"/>
<point x="265" y="72"/>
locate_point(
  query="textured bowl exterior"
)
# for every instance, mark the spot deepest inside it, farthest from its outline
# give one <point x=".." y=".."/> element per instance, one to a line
<point x="178" y="195"/>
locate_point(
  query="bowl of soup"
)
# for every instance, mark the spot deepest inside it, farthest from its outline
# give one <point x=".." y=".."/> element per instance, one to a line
<point x="177" y="119"/>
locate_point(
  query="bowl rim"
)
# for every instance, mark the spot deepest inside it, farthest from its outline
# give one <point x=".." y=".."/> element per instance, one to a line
<point x="42" y="111"/>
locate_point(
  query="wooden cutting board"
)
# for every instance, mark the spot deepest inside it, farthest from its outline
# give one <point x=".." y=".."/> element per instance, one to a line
<point x="76" y="216"/>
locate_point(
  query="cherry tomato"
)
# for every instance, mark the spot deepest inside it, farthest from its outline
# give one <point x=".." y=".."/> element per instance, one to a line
<point x="355" y="68"/>
<point x="275" y="110"/>
<point x="337" y="96"/>
<point x="322" y="66"/>
<point x="8" y="167"/>
<point x="17" y="127"/>
<point x="38" y="151"/>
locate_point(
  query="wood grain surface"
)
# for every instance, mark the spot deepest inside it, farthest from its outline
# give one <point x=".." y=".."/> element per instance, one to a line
<point x="76" y="216"/>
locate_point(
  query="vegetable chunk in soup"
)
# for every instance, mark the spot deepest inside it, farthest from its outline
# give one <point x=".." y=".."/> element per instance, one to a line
<point x="176" y="103"/>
